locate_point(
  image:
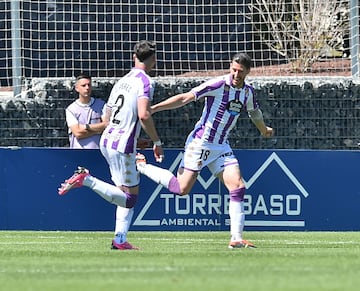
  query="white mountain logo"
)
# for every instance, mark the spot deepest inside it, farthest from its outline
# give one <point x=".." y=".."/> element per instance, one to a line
<point x="139" y="221"/>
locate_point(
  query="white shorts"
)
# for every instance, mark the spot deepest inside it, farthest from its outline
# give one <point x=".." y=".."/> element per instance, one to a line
<point x="214" y="156"/>
<point x="122" y="167"/>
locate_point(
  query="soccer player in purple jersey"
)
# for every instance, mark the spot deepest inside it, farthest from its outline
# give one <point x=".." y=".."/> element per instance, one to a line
<point x="207" y="145"/>
<point x="127" y="110"/>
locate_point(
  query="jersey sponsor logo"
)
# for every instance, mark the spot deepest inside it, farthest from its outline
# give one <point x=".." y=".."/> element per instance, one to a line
<point x="234" y="107"/>
<point x="207" y="205"/>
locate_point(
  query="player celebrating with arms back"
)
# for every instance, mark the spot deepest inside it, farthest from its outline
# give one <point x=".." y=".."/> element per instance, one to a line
<point x="207" y="145"/>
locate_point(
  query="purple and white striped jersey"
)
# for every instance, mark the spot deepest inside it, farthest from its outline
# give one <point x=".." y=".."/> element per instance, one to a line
<point x="124" y="128"/>
<point x="223" y="105"/>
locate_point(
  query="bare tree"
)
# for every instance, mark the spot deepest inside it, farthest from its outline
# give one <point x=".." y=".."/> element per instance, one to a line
<point x="301" y="31"/>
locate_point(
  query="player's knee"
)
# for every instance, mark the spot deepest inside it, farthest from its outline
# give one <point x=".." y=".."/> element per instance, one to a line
<point x="131" y="200"/>
<point x="183" y="192"/>
<point x="238" y="194"/>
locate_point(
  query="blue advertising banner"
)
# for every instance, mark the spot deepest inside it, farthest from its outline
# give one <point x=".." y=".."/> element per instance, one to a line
<point x="286" y="190"/>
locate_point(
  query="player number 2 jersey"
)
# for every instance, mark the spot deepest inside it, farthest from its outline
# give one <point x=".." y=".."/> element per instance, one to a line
<point x="124" y="128"/>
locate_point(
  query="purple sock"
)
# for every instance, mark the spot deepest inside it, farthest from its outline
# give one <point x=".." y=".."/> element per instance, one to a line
<point x="237" y="195"/>
<point x="174" y="186"/>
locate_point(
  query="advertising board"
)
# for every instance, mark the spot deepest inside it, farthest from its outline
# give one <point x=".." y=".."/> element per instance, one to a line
<point x="285" y="190"/>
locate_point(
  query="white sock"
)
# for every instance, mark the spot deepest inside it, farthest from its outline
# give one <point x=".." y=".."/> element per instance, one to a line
<point x="122" y="224"/>
<point x="107" y="191"/>
<point x="237" y="219"/>
<point x="157" y="174"/>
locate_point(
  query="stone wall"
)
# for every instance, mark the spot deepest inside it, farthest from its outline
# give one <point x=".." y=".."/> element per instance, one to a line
<point x="317" y="113"/>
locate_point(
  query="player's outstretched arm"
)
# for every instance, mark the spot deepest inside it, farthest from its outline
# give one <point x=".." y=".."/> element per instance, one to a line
<point x="257" y="118"/>
<point x="173" y="102"/>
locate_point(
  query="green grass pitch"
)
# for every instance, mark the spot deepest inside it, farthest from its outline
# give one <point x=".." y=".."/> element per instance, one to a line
<point x="179" y="261"/>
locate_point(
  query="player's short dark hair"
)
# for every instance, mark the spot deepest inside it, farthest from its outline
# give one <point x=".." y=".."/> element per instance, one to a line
<point x="144" y="49"/>
<point x="243" y="59"/>
<point x="83" y="76"/>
